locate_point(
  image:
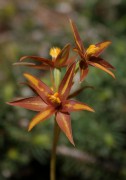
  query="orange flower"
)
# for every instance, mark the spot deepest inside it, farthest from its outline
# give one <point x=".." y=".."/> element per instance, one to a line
<point x="91" y="55"/>
<point x="60" y="58"/>
<point x="48" y="102"/>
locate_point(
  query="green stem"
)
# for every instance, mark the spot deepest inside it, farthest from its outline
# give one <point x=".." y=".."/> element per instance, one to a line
<point x="53" y="156"/>
<point x="57" y="77"/>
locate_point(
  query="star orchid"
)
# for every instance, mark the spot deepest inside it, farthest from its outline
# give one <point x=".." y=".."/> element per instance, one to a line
<point x="60" y="58"/>
<point x="48" y="102"/>
<point x="91" y="55"/>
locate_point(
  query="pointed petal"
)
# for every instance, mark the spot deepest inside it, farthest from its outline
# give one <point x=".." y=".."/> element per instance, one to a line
<point x="39" y="59"/>
<point x="64" y="122"/>
<point x="83" y="70"/>
<point x="77" y="38"/>
<point x="78" y="91"/>
<point x="72" y="105"/>
<point x="101" y="62"/>
<point x="32" y="103"/>
<point x="30" y="86"/>
<point x="103" y="68"/>
<point x="62" y="56"/>
<point x="40" y="87"/>
<point x="101" y="46"/>
<point x="67" y="82"/>
<point x="33" y="65"/>
<point x="24" y="64"/>
<point x="43" y="115"/>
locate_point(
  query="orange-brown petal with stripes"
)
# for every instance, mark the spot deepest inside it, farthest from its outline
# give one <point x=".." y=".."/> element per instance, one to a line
<point x="42" y="116"/>
<point x="33" y="65"/>
<point x="78" y="91"/>
<point x="31" y="103"/>
<point x="62" y="56"/>
<point x="101" y="61"/>
<point x="64" y="122"/>
<point x="37" y="58"/>
<point x="102" y="68"/>
<point x="40" y="87"/>
<point x="77" y="38"/>
<point x="83" y="70"/>
<point x="66" y="83"/>
<point x="73" y="105"/>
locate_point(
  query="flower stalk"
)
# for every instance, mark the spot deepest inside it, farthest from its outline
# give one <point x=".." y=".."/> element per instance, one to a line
<point x="57" y="78"/>
<point x="53" y="155"/>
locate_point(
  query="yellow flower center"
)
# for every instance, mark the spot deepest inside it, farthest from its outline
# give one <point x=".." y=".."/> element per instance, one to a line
<point x="54" y="52"/>
<point x="55" y="98"/>
<point x="92" y="50"/>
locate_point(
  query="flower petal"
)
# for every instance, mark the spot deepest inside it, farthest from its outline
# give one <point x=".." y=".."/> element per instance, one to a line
<point x="77" y="38"/>
<point x="32" y="103"/>
<point x="30" y="86"/>
<point x="33" y="65"/>
<point x="40" y="87"/>
<point x="62" y="56"/>
<point x="101" y="46"/>
<point x="78" y="91"/>
<point x="102" y="67"/>
<point x="43" y="115"/>
<point x="39" y="59"/>
<point x="72" y="105"/>
<point x="83" y="70"/>
<point x="67" y="82"/>
<point x="64" y="122"/>
<point x="101" y="62"/>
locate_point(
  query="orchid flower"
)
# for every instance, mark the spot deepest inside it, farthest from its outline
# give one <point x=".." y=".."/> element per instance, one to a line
<point x="60" y="58"/>
<point x="47" y="102"/>
<point x="90" y="56"/>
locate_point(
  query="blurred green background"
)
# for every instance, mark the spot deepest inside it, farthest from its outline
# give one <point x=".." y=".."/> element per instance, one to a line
<point x="32" y="27"/>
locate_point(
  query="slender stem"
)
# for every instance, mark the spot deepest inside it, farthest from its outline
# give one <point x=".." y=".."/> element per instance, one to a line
<point x="53" y="156"/>
<point x="57" y="77"/>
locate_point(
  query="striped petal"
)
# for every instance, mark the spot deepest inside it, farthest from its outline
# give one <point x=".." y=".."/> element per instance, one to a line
<point x="64" y="122"/>
<point x="62" y="56"/>
<point x="72" y="105"/>
<point x="43" y="115"/>
<point x="83" y="70"/>
<point x="101" y="46"/>
<point x="78" y="91"/>
<point x="39" y="59"/>
<point x="101" y="62"/>
<point x="77" y="38"/>
<point x="32" y="103"/>
<point x="102" y="68"/>
<point x="66" y="83"/>
<point x="33" y="65"/>
<point x="30" y="86"/>
<point x="41" y="88"/>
